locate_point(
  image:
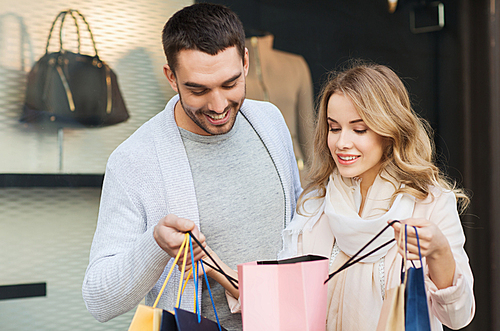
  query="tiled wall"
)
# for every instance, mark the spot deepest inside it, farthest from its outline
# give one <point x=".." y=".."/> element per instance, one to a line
<point x="128" y="38"/>
<point x="45" y="234"/>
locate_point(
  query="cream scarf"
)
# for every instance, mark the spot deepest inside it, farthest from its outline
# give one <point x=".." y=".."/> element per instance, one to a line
<point x="359" y="308"/>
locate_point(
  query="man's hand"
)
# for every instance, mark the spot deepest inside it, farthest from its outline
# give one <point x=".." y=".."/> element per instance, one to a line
<point x="169" y="234"/>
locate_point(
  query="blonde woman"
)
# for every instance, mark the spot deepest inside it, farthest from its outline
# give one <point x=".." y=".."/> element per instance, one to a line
<point x="373" y="162"/>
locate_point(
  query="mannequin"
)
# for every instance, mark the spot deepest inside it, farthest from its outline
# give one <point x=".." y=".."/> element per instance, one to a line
<point x="283" y="79"/>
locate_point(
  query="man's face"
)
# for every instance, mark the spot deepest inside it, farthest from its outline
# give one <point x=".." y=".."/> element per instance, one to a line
<point x="211" y="89"/>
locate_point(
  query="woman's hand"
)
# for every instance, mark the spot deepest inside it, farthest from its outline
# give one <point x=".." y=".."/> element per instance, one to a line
<point x="209" y="271"/>
<point x="215" y="275"/>
<point x="433" y="243"/>
<point x="434" y="247"/>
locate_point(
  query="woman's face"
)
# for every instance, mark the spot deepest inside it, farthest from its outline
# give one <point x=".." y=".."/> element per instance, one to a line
<point x="356" y="149"/>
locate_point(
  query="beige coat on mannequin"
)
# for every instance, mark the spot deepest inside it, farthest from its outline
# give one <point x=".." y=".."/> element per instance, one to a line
<point x="283" y="79"/>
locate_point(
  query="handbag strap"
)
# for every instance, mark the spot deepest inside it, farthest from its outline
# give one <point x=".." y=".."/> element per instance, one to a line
<point x="62" y="17"/>
<point x="355" y="259"/>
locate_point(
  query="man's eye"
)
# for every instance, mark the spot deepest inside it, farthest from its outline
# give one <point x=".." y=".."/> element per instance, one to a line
<point x="199" y="92"/>
<point x="229" y="86"/>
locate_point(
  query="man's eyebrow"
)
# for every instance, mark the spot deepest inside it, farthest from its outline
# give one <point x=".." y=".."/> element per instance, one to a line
<point x="229" y="81"/>
<point x="232" y="79"/>
<point x="194" y="85"/>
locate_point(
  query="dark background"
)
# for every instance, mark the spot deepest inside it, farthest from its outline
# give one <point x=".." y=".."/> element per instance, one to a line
<point x="328" y="33"/>
<point x="451" y="74"/>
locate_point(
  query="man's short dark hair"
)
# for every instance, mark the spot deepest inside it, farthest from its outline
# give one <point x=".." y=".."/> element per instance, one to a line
<point x="209" y="28"/>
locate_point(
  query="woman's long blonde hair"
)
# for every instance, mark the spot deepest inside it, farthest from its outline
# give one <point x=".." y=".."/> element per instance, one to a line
<point x="382" y="101"/>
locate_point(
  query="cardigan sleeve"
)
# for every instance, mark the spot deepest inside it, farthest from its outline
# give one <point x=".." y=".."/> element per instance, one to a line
<point x="454" y="306"/>
<point x="125" y="260"/>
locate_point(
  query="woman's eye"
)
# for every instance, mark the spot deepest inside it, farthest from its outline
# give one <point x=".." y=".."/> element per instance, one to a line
<point x="361" y="131"/>
<point x="334" y="130"/>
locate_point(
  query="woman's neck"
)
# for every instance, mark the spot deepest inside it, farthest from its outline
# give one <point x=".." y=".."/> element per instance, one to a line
<point x="364" y="187"/>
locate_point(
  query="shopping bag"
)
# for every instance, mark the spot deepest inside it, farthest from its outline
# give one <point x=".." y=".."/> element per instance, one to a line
<point x="417" y="312"/>
<point x="392" y="315"/>
<point x="188" y="321"/>
<point x="155" y="319"/>
<point x="168" y="322"/>
<point x="287" y="295"/>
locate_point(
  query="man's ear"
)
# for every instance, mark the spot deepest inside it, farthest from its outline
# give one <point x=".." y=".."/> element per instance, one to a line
<point x="246" y="61"/>
<point x="169" y="73"/>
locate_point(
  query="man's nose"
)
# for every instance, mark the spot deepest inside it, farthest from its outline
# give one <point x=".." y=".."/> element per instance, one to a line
<point x="218" y="102"/>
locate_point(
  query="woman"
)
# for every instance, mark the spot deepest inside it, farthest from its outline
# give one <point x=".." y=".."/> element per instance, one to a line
<point x="373" y="163"/>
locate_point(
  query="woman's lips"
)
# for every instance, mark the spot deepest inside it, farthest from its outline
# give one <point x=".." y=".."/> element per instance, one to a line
<point x="345" y="159"/>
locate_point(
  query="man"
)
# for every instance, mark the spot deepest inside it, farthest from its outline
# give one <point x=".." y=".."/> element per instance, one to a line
<point x="211" y="160"/>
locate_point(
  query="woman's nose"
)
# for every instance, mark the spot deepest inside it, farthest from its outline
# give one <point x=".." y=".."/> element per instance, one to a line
<point x="344" y="141"/>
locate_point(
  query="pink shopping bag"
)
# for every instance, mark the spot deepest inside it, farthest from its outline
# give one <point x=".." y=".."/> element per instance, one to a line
<point x="284" y="295"/>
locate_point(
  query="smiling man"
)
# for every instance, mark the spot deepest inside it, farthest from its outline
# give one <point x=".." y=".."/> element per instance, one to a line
<point x="211" y="89"/>
<point x="211" y="162"/>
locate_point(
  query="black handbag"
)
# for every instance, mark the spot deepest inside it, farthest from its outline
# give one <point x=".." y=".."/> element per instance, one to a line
<point x="73" y="88"/>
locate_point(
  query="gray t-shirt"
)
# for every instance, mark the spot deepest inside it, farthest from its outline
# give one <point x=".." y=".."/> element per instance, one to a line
<point x="241" y="203"/>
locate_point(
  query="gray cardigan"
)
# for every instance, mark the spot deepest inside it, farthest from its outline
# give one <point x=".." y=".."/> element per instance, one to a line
<point x="147" y="177"/>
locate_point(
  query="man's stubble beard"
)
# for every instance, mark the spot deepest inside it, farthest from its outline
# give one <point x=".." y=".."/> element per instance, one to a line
<point x="192" y="114"/>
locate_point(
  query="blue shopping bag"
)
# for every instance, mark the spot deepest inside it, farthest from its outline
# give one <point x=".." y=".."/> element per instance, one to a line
<point x="416" y="310"/>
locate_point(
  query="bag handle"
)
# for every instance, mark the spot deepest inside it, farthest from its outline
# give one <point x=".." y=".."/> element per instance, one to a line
<point x="195" y="266"/>
<point x="184" y="244"/>
<point x="353" y="260"/>
<point x="26" y="60"/>
<point x="211" y="298"/>
<point x="404" y="273"/>
<point x="418" y="245"/>
<point x="62" y="17"/>
<point x="389" y="278"/>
